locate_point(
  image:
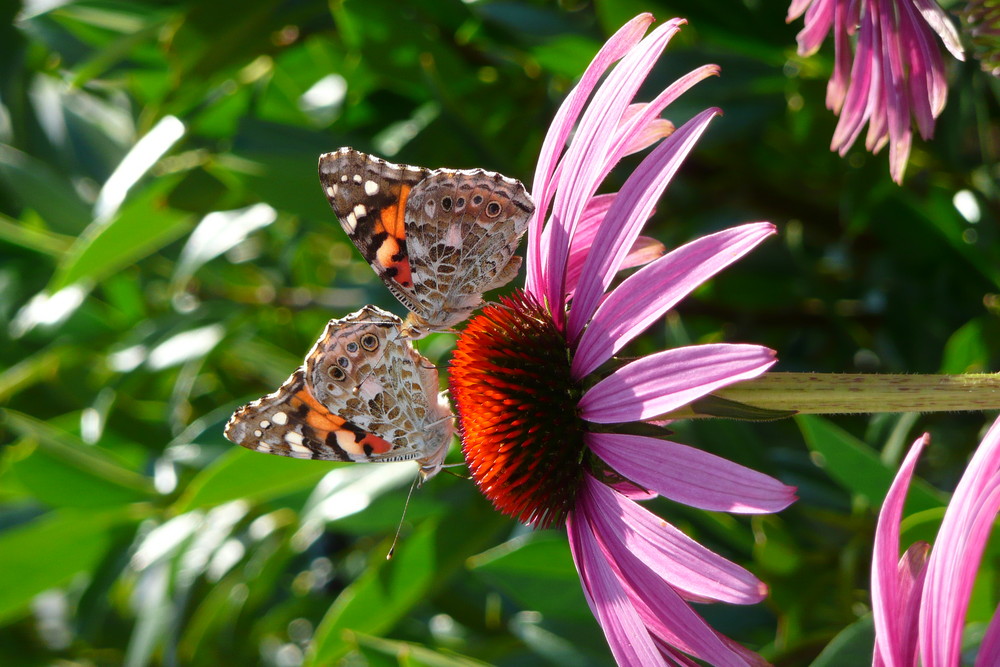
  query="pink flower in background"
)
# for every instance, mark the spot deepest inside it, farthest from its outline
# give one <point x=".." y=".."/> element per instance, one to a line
<point x="887" y="69"/>
<point x="548" y="438"/>
<point x="921" y="603"/>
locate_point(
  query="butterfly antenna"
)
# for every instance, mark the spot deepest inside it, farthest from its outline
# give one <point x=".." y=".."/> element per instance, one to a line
<point x="445" y="467"/>
<point x="406" y="506"/>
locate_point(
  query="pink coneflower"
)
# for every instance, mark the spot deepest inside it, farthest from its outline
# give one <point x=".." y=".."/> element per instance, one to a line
<point x="548" y="415"/>
<point x="887" y="69"/>
<point x="919" y="603"/>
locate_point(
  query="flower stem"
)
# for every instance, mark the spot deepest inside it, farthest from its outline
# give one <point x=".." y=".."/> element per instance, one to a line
<point x="831" y="393"/>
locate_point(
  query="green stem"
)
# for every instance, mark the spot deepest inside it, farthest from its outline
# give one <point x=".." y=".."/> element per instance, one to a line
<point x="829" y="393"/>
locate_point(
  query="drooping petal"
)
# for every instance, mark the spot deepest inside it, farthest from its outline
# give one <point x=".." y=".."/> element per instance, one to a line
<point x="667" y="616"/>
<point x="887" y="608"/>
<point x="939" y="22"/>
<point x="626" y="634"/>
<point x="817" y="24"/>
<point x="650" y="292"/>
<point x="665" y="381"/>
<point x="628" y="213"/>
<point x="690" y="476"/>
<point x="957" y="552"/>
<point x="555" y="139"/>
<point x="673" y="556"/>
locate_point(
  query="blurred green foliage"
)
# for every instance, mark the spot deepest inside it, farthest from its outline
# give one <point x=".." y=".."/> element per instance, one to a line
<point x="166" y="255"/>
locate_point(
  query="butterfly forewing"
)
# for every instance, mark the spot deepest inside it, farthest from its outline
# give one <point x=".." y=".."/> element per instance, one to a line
<point x="438" y="239"/>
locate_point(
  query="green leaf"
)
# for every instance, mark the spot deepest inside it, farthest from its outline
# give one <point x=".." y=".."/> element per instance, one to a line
<point x="390" y="589"/>
<point x="140" y="228"/>
<point x="409" y="653"/>
<point x="242" y="474"/>
<point x="19" y="234"/>
<point x="537" y="570"/>
<point x="966" y="350"/>
<point x="857" y="467"/>
<point x="39" y="188"/>
<point x="64" y="471"/>
<point x="48" y="552"/>
<point x="852" y="646"/>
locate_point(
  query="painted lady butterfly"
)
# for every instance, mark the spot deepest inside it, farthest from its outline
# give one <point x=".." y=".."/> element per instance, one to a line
<point x="437" y="238"/>
<point x="363" y="394"/>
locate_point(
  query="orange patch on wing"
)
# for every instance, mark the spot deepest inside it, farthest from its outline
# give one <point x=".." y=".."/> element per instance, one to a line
<point x="324" y="421"/>
<point x="318" y="417"/>
<point x="392" y="221"/>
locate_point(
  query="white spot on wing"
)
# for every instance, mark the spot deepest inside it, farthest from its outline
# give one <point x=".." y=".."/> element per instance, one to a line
<point x="280" y="418"/>
<point x="357" y="178"/>
<point x="371" y="188"/>
<point x="351" y="221"/>
<point x="266" y="424"/>
<point x="360" y="211"/>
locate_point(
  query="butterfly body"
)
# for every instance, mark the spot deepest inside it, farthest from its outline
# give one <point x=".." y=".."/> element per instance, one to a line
<point x="363" y="394"/>
<point x="437" y="238"/>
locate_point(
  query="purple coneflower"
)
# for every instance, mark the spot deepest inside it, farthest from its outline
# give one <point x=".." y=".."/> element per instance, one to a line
<point x="894" y="73"/>
<point x="919" y="603"/>
<point x="549" y="438"/>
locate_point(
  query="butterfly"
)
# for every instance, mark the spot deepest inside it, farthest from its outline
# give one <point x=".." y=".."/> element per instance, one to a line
<point x="363" y="394"/>
<point x="439" y="239"/>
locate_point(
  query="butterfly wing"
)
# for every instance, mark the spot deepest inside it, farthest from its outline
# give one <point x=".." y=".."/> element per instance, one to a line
<point x="382" y="384"/>
<point x="462" y="229"/>
<point x="292" y="422"/>
<point x="369" y="196"/>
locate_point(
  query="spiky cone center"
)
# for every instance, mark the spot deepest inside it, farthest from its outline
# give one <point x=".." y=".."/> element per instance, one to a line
<point x="517" y="411"/>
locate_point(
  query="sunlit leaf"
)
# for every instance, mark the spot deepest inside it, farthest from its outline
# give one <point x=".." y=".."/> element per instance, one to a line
<point x="142" y="227"/>
<point x="48" y="552"/>
<point x="857" y="467"/>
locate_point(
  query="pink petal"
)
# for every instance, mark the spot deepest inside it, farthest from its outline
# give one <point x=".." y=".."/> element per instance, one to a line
<point x="957" y="553"/>
<point x="887" y="604"/>
<point x="646" y="295"/>
<point x="938" y="20"/>
<point x="795" y="9"/>
<point x="673" y="556"/>
<point x="626" y="634"/>
<point x="633" y="129"/>
<point x="836" y="89"/>
<point x="664" y="381"/>
<point x="989" y="649"/>
<point x="644" y="249"/>
<point x="690" y="476"/>
<point x="857" y="108"/>
<point x="667" y="616"/>
<point x="555" y="139"/>
<point x="629" y="212"/>
<point x="817" y="25"/>
<point x="584" y="161"/>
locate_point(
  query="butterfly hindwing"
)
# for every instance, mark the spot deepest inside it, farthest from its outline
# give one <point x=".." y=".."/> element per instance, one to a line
<point x="364" y="394"/>
<point x="292" y="422"/>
